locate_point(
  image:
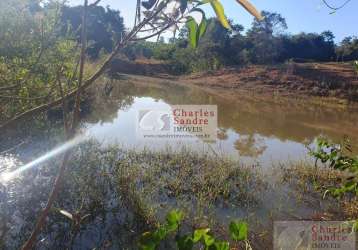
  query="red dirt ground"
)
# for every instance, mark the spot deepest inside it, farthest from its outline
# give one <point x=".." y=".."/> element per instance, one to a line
<point x="338" y="80"/>
<point x="317" y="79"/>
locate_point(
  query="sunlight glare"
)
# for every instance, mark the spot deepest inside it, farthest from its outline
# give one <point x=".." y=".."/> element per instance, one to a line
<point x="5" y="177"/>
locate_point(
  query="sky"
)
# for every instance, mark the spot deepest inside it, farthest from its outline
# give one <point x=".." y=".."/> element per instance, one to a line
<point x="301" y="15"/>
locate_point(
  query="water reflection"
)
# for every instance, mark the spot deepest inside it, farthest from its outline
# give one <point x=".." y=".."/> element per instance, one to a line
<point x="253" y="130"/>
<point x="250" y="146"/>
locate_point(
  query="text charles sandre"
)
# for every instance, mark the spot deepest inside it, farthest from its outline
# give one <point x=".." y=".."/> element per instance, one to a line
<point x="191" y="120"/>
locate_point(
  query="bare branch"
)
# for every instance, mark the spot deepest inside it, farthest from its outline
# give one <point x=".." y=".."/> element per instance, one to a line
<point x="137" y="17"/>
<point x="23" y="98"/>
<point x="154" y="34"/>
<point x="68" y="133"/>
<point x="10" y="87"/>
<point x="64" y="107"/>
<point x="82" y="63"/>
<point x="95" y="3"/>
<point x="14" y="147"/>
<point x="43" y="215"/>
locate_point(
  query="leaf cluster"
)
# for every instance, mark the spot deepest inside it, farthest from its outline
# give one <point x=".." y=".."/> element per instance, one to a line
<point x="338" y="157"/>
<point x="202" y="236"/>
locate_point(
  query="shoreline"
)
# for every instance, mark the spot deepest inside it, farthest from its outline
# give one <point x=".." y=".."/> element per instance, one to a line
<point x="331" y="84"/>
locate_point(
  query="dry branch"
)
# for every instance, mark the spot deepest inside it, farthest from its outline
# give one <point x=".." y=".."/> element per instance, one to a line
<point x="56" y="187"/>
<point x="68" y="134"/>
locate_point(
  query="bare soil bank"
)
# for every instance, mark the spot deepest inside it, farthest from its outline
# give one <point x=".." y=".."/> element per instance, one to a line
<point x="140" y="67"/>
<point x="334" y="80"/>
<point x="299" y="79"/>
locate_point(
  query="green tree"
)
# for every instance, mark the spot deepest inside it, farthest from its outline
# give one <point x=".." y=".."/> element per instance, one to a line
<point x="348" y="49"/>
<point x="107" y="27"/>
<point x="33" y="55"/>
<point x="263" y="42"/>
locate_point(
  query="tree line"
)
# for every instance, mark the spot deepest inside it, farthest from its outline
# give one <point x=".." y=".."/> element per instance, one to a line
<point x="265" y="42"/>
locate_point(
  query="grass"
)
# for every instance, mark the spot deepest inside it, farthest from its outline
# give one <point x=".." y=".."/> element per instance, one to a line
<point x="209" y="190"/>
<point x="123" y="193"/>
<point x="312" y="182"/>
<point x="188" y="181"/>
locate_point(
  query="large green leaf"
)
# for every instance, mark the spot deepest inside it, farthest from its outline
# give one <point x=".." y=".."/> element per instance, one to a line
<point x="219" y="11"/>
<point x="193" y="32"/>
<point x="200" y="30"/>
<point x="199" y="233"/>
<point x="160" y="234"/>
<point x="238" y="230"/>
<point x="202" y="27"/>
<point x="208" y="240"/>
<point x="174" y="218"/>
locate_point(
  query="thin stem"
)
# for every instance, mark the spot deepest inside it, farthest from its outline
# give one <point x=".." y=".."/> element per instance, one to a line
<point x="82" y="64"/>
<point x="335" y="8"/>
<point x="59" y="179"/>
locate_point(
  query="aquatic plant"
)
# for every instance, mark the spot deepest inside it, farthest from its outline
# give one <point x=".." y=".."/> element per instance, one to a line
<point x="151" y="240"/>
<point x="339" y="157"/>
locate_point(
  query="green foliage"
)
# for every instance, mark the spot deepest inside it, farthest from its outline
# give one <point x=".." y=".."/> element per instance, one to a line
<point x="238" y="230"/>
<point x="151" y="240"/>
<point x="33" y="54"/>
<point x="173" y="220"/>
<point x="106" y="27"/>
<point x="310" y="46"/>
<point x="196" y="31"/>
<point x="338" y="156"/>
<point x="208" y="45"/>
<point x="39" y="47"/>
<point x="193" y="32"/>
<point x="348" y="49"/>
<point x="210" y="54"/>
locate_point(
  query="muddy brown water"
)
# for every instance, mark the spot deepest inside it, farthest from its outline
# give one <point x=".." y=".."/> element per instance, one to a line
<point x="254" y="131"/>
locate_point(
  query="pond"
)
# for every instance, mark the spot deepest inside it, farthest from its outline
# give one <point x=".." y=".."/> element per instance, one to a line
<point x="116" y="186"/>
<point x="254" y="131"/>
